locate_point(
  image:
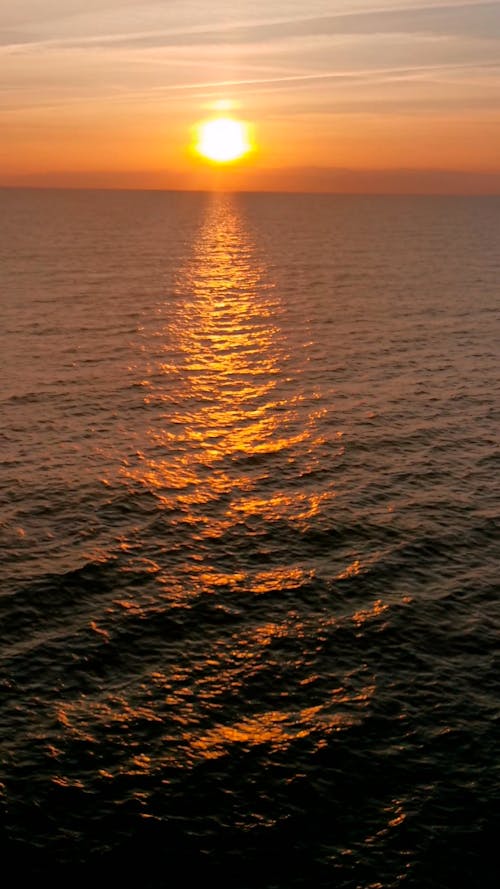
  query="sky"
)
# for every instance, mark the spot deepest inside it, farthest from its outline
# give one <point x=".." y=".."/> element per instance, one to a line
<point x="342" y="95"/>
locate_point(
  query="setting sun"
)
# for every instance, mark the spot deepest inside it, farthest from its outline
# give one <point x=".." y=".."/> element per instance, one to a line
<point x="223" y="140"/>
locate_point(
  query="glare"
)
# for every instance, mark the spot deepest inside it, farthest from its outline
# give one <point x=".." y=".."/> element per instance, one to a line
<point x="223" y="139"/>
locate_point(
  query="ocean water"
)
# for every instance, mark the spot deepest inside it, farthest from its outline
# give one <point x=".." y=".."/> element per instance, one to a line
<point x="249" y="531"/>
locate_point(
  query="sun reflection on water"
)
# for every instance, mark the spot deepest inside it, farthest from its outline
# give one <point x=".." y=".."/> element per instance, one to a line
<point x="234" y="460"/>
<point x="223" y="389"/>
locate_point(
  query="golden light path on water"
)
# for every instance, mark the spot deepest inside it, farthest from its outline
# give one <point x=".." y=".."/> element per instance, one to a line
<point x="223" y="381"/>
<point x="225" y="404"/>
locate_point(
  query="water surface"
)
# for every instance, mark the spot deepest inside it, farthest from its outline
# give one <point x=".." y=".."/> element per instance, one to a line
<point x="249" y="522"/>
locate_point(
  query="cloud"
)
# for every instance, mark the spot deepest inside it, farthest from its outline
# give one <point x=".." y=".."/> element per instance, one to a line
<point x="474" y="20"/>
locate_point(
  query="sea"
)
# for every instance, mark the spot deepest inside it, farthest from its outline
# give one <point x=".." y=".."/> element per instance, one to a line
<point x="249" y="502"/>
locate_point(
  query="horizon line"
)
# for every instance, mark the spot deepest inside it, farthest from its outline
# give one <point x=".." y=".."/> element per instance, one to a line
<point x="249" y="191"/>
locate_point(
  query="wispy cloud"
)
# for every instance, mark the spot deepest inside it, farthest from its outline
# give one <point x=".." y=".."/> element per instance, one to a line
<point x="477" y="19"/>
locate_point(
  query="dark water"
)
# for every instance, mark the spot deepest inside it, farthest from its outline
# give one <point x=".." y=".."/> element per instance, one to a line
<point x="249" y="502"/>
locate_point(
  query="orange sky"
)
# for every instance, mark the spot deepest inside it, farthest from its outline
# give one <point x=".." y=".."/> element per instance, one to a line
<point x="365" y="95"/>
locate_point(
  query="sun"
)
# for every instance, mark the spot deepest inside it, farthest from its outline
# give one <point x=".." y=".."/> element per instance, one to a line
<point x="223" y="139"/>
